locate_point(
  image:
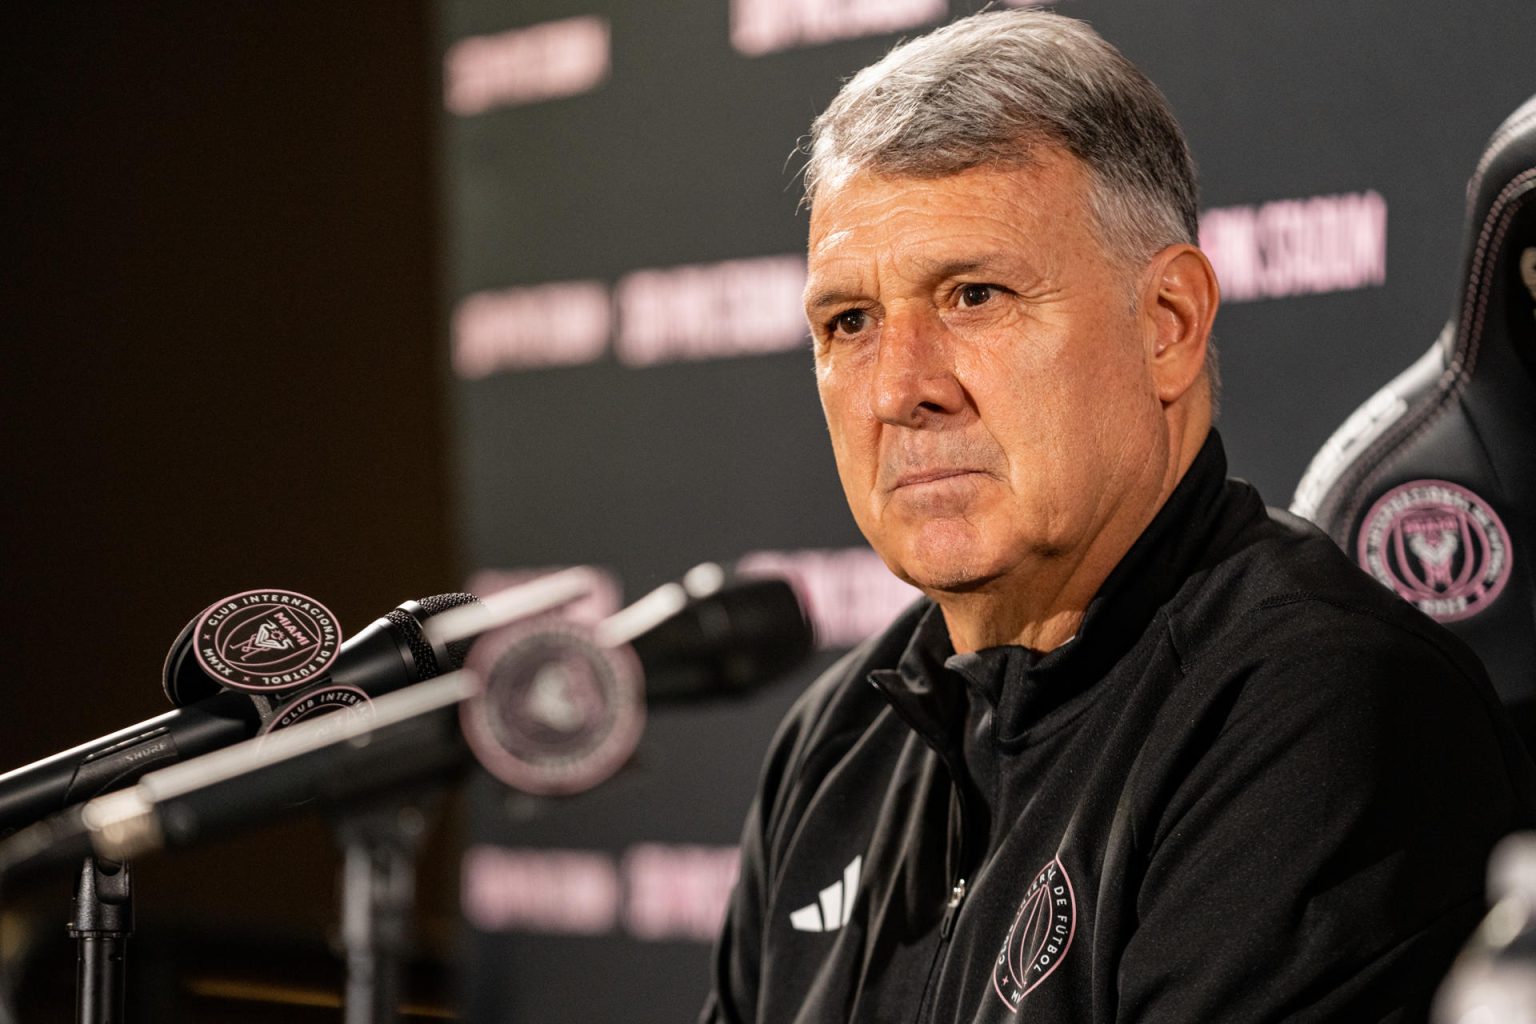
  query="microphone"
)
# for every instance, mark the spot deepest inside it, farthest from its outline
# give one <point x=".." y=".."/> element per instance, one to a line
<point x="565" y="705"/>
<point x="724" y="645"/>
<point x="393" y="651"/>
<point x="413" y="735"/>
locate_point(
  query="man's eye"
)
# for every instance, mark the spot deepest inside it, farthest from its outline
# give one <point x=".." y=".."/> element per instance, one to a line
<point x="850" y="322"/>
<point x="976" y="294"/>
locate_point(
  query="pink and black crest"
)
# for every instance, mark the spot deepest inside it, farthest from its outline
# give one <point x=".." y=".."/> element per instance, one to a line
<point x="1041" y="934"/>
<point x="1439" y="546"/>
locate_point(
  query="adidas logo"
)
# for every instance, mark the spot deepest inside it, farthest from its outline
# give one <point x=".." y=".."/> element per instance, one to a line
<point x="831" y="910"/>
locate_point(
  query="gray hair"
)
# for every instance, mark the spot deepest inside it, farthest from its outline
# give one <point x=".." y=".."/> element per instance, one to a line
<point x="992" y="88"/>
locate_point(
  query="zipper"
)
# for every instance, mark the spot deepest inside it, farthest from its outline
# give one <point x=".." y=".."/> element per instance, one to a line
<point x="958" y="822"/>
<point x="957" y="892"/>
<point x="952" y="908"/>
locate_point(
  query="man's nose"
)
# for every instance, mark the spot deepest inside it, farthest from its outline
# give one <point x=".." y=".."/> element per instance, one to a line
<point x="914" y="383"/>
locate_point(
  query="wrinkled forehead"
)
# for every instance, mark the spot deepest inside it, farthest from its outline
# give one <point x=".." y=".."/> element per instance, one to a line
<point x="911" y="159"/>
<point x="837" y="172"/>
<point x="869" y="211"/>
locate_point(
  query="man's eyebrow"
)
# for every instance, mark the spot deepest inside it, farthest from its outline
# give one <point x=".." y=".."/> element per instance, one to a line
<point x="832" y="297"/>
<point x="932" y="269"/>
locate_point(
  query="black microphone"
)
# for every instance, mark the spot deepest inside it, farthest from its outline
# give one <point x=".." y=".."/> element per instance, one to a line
<point x="407" y="737"/>
<point x="724" y="645"/>
<point x="393" y="651"/>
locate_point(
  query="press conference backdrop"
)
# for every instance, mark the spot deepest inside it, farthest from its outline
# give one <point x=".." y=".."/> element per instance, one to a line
<point x="633" y="383"/>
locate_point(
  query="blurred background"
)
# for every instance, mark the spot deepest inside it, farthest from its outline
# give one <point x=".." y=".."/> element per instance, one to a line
<point x="378" y="301"/>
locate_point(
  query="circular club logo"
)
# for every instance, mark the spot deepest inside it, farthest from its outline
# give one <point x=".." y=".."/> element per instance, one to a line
<point x="318" y="703"/>
<point x="267" y="641"/>
<point x="559" y="713"/>
<point x="1040" y="937"/>
<point x="1437" y="545"/>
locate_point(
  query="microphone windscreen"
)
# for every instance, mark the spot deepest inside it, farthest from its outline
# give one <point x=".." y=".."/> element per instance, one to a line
<point x="728" y="643"/>
<point x="407" y="620"/>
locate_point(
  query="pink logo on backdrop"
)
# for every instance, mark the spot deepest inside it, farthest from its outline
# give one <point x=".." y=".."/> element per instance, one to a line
<point x="560" y="892"/>
<point x="1297" y="246"/>
<point x="541" y="62"/>
<point x="1439" y="546"/>
<point x="662" y="892"/>
<point x="726" y="310"/>
<point x="722" y="310"/>
<point x="678" y="892"/>
<point x="1039" y="938"/>
<point x="765" y="26"/>
<point x="563" y="323"/>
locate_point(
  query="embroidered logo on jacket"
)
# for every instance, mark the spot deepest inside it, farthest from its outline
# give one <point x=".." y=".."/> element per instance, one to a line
<point x="1040" y="937"/>
<point x="830" y="912"/>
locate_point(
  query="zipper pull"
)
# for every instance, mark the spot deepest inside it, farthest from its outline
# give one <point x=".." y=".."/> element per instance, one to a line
<point x="956" y="897"/>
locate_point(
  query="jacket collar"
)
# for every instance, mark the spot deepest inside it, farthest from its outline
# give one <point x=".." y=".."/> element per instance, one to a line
<point x="1023" y="686"/>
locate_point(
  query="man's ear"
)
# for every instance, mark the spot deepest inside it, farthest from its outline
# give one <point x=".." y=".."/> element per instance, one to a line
<point x="1178" y="304"/>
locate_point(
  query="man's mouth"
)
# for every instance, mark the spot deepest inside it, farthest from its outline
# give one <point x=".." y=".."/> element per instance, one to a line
<point x="915" y="478"/>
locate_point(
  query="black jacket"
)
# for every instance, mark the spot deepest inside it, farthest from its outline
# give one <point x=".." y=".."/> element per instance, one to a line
<point x="1256" y="786"/>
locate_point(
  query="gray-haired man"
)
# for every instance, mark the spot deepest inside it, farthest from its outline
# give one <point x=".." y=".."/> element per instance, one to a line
<point x="1144" y="753"/>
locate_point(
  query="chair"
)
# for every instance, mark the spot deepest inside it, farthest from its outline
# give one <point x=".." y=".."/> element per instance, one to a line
<point x="1431" y="485"/>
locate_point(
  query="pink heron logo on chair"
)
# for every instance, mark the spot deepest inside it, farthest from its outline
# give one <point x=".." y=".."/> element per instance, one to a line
<point x="1439" y="546"/>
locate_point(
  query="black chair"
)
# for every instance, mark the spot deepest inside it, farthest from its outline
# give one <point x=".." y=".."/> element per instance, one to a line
<point x="1431" y="485"/>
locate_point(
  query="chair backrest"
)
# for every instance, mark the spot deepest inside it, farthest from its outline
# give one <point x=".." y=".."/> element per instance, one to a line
<point x="1431" y="484"/>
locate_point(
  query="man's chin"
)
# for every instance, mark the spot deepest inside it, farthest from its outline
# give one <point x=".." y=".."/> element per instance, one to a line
<point x="949" y="555"/>
<point x="935" y="578"/>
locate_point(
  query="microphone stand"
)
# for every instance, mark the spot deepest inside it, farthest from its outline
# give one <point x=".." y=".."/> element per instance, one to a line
<point x="102" y="923"/>
<point x="378" y="889"/>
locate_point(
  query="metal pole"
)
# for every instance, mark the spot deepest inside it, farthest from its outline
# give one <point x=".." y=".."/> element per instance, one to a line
<point x="378" y="891"/>
<point x="101" y="925"/>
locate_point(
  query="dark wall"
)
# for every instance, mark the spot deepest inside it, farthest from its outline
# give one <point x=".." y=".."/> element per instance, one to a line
<point x="225" y="363"/>
<point x="1334" y="142"/>
<point x="221" y="370"/>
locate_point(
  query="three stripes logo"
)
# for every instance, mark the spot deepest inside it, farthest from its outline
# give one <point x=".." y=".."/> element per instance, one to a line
<point x="833" y="905"/>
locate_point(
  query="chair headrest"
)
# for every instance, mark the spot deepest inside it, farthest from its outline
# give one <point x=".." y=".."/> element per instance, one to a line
<point x="1495" y="325"/>
<point x="1482" y="365"/>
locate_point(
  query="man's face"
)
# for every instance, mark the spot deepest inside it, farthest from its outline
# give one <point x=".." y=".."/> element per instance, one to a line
<point x="984" y="370"/>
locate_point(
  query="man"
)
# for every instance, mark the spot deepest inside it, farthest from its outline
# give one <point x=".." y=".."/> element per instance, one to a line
<point x="1144" y="753"/>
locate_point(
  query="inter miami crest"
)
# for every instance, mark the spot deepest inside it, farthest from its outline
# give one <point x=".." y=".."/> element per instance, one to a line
<point x="265" y="641"/>
<point x="1040" y="937"/>
<point x="1439" y="546"/>
<point x="559" y="713"/>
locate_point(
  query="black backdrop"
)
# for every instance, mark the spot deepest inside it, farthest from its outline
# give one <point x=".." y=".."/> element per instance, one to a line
<point x="222" y="369"/>
<point x="220" y="239"/>
<point x="611" y="167"/>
